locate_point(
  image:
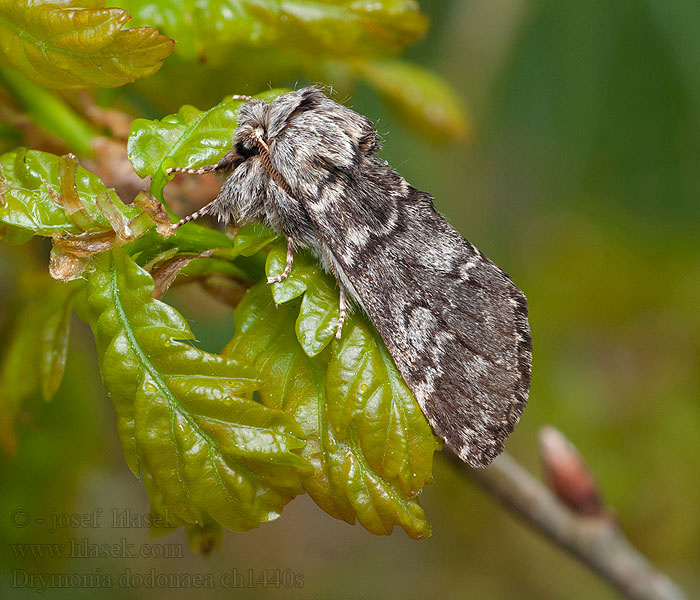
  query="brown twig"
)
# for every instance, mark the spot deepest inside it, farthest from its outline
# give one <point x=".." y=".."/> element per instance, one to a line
<point x="597" y="541"/>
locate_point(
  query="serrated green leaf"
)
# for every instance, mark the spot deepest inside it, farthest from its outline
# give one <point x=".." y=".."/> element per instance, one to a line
<point x="294" y="383"/>
<point x="53" y="349"/>
<point x="424" y="101"/>
<point x="185" y="416"/>
<point x="364" y="389"/>
<point x="366" y="394"/>
<point x="294" y="285"/>
<point x="53" y="196"/>
<point x="320" y="307"/>
<point x="73" y="48"/>
<point x="210" y="28"/>
<point x="31" y="183"/>
<point x="190" y="138"/>
<point x="344" y="483"/>
<point x="317" y="322"/>
<point x="34" y="355"/>
<point x="377" y="503"/>
<point x="250" y="239"/>
<point x="191" y="237"/>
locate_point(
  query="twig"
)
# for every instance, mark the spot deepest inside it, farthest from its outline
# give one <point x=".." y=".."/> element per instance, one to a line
<point x="597" y="541"/>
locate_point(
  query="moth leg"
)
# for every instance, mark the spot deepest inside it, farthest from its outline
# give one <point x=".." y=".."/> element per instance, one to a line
<point x="343" y="306"/>
<point x="195" y="215"/>
<point x="288" y="266"/>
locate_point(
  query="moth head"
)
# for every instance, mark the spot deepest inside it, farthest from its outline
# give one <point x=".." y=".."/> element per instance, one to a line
<point x="251" y="132"/>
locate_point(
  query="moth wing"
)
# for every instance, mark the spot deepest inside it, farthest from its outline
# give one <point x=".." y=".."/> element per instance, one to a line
<point x="454" y="323"/>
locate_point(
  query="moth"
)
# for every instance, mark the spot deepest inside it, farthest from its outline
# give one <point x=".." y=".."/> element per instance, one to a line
<point x="454" y="323"/>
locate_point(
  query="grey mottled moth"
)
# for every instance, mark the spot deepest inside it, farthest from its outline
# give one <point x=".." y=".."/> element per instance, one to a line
<point x="454" y="323"/>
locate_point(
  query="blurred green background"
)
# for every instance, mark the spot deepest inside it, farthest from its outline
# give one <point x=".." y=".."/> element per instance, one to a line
<point x="582" y="180"/>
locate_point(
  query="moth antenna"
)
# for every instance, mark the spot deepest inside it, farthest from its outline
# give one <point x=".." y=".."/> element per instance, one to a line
<point x="267" y="163"/>
<point x="195" y="215"/>
<point x="261" y="142"/>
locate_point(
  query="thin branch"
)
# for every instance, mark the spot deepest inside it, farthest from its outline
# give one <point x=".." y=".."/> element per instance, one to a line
<point x="596" y="541"/>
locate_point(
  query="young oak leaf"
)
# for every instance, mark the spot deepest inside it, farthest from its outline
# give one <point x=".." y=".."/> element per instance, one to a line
<point x="365" y="393"/>
<point x="34" y="357"/>
<point x="190" y="138"/>
<point x="191" y="238"/>
<point x="344" y="483"/>
<point x="53" y="345"/>
<point x="294" y="383"/>
<point x="320" y="306"/>
<point x="201" y="538"/>
<point x="74" y="48"/>
<point x="320" y="28"/>
<point x="54" y="196"/>
<point x="186" y="418"/>
<point x="294" y="286"/>
<point x="49" y="194"/>
<point x="250" y="239"/>
<point x="364" y="388"/>
<point x="203" y="252"/>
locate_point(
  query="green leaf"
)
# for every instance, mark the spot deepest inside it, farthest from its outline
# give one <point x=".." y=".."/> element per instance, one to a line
<point x="53" y="196"/>
<point x="75" y="48"/>
<point x="295" y="285"/>
<point x="250" y="239"/>
<point x="317" y="322"/>
<point x="201" y="538"/>
<point x="53" y="346"/>
<point x="364" y="389"/>
<point x="424" y="101"/>
<point x="34" y="183"/>
<point x="192" y="240"/>
<point x="189" y="138"/>
<point x="191" y="237"/>
<point x="320" y="307"/>
<point x="210" y="28"/>
<point x="366" y="394"/>
<point x="187" y="417"/>
<point x="162" y="519"/>
<point x="344" y="483"/>
<point x="34" y="354"/>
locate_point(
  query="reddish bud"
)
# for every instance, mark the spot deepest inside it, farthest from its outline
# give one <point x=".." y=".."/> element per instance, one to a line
<point x="567" y="473"/>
